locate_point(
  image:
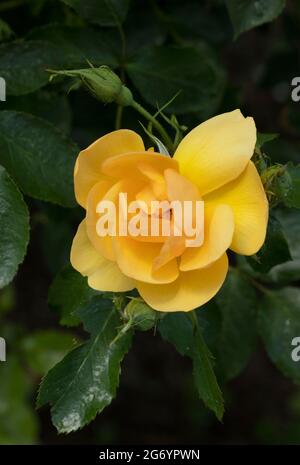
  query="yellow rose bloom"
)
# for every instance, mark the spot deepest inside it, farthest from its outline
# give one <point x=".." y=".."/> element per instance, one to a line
<point x="212" y="164"/>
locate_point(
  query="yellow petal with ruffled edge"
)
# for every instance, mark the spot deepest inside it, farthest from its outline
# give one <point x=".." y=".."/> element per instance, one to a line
<point x="247" y="198"/>
<point x="130" y="164"/>
<point x="180" y="188"/>
<point x="135" y="259"/>
<point x="218" y="234"/>
<point x="217" y="151"/>
<point x="190" y="290"/>
<point x="103" y="275"/>
<point x="88" y="169"/>
<point x="172" y="248"/>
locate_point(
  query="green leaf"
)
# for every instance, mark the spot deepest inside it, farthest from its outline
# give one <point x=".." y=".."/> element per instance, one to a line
<point x="237" y="301"/>
<point x="289" y="271"/>
<point x="279" y="324"/>
<point x="38" y="157"/>
<point x="227" y="323"/>
<point x="193" y="20"/>
<point x="247" y="14"/>
<point x="103" y="12"/>
<point x="210" y="320"/>
<point x="142" y="31"/>
<point x="23" y="65"/>
<point x="287" y="187"/>
<point x="44" y="349"/>
<point x="263" y="138"/>
<point x="274" y="251"/>
<point x="85" y="381"/>
<point x="177" y="329"/>
<point x="204" y="376"/>
<point x="68" y="292"/>
<point x="78" y="46"/>
<point x="44" y="104"/>
<point x="14" y="228"/>
<point x="161" y="72"/>
<point x="140" y="315"/>
<point x="18" y="423"/>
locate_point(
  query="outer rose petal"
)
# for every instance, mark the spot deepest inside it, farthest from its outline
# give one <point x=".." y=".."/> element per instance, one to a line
<point x="247" y="198"/>
<point x="88" y="165"/>
<point x="102" y="244"/>
<point x="219" y="230"/>
<point x="217" y="151"/>
<point x="189" y="291"/>
<point x="103" y="274"/>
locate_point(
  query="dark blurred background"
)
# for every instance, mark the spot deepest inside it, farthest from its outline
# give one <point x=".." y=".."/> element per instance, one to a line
<point x="156" y="402"/>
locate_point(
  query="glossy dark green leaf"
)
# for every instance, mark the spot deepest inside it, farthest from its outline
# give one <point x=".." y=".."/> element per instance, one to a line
<point x="205" y="379"/>
<point x="68" y="292"/>
<point x="177" y="328"/>
<point x="85" y="381"/>
<point x="23" y="65"/>
<point x="274" y="251"/>
<point x="48" y="105"/>
<point x="44" y="349"/>
<point x="210" y="320"/>
<point x="194" y="20"/>
<point x="39" y="158"/>
<point x="14" y="228"/>
<point x="279" y="324"/>
<point x="227" y="322"/>
<point x="237" y="301"/>
<point x="103" y="12"/>
<point x="78" y="46"/>
<point x="247" y="14"/>
<point x="142" y="31"/>
<point x="161" y="72"/>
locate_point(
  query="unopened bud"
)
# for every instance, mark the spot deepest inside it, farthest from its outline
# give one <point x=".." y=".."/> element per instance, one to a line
<point x="103" y="83"/>
<point x="140" y="314"/>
